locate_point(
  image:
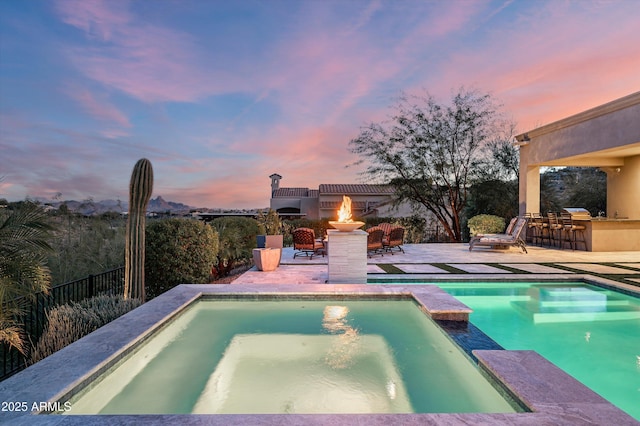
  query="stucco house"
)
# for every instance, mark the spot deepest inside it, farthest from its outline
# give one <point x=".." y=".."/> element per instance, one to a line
<point x="324" y="202"/>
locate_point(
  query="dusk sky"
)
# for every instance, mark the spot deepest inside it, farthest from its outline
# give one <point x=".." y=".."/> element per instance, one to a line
<point x="221" y="94"/>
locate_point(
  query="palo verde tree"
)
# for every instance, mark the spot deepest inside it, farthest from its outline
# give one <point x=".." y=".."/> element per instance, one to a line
<point x="140" y="189"/>
<point x="495" y="190"/>
<point x="431" y="152"/>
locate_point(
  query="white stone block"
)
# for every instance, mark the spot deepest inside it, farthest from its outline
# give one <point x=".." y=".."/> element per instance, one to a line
<point x="347" y="257"/>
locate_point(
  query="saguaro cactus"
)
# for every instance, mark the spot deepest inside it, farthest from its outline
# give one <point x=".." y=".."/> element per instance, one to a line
<point x="140" y="189"/>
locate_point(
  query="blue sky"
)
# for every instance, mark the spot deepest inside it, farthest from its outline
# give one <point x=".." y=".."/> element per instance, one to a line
<point x="219" y="95"/>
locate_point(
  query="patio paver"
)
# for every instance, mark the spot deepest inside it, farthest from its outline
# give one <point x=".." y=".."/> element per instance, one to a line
<point x="630" y="265"/>
<point x="420" y="268"/>
<point x="535" y="268"/>
<point x="374" y="269"/>
<point x="479" y="268"/>
<point x="596" y="268"/>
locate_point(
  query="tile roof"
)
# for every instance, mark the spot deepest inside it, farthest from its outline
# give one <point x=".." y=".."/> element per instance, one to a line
<point x="293" y="192"/>
<point x="347" y="189"/>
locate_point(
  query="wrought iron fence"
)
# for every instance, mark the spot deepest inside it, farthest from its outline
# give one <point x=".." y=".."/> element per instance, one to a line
<point x="436" y="234"/>
<point x="35" y="311"/>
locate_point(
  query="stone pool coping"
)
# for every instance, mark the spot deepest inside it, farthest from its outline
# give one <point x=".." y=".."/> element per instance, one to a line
<point x="553" y="396"/>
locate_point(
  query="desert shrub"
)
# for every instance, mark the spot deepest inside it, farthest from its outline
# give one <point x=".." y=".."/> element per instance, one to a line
<point x="237" y="239"/>
<point x="486" y="224"/>
<point x="85" y="245"/>
<point x="269" y="223"/>
<point x="68" y="323"/>
<point x="178" y="251"/>
<point x="415" y="229"/>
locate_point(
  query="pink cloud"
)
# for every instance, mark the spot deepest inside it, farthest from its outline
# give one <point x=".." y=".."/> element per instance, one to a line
<point x="145" y="61"/>
<point x="97" y="18"/>
<point x="100" y="108"/>
<point x="552" y="63"/>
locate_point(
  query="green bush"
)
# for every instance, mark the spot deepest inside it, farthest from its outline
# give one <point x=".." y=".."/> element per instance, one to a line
<point x="237" y="236"/>
<point x="486" y="224"/>
<point x="178" y="251"/>
<point x="269" y="222"/>
<point x="68" y="323"/>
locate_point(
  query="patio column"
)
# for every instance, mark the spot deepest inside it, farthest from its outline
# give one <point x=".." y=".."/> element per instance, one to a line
<point x="529" y="190"/>
<point x="347" y="256"/>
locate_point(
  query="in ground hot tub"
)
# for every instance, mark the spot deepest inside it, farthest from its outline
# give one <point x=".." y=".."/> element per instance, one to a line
<point x="294" y="356"/>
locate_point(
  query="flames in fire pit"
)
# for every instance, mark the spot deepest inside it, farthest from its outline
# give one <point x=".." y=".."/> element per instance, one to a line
<point x="345" y="223"/>
<point x="344" y="214"/>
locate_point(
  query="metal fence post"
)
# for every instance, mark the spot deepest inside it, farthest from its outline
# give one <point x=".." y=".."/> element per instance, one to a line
<point x="91" y="285"/>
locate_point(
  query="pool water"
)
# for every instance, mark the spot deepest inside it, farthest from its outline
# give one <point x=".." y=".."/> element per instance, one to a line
<point x="590" y="332"/>
<point x="294" y="356"/>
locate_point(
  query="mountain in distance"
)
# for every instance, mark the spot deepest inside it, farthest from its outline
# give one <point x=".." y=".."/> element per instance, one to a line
<point x="93" y="208"/>
<point x="90" y="207"/>
<point x="159" y="205"/>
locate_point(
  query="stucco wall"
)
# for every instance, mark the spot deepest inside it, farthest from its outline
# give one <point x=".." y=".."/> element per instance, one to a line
<point x="623" y="189"/>
<point x="612" y="130"/>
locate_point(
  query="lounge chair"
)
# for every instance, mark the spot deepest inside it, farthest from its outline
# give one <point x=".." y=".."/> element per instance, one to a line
<point x="374" y="241"/>
<point x="394" y="240"/>
<point x="511" y="239"/>
<point x="306" y="244"/>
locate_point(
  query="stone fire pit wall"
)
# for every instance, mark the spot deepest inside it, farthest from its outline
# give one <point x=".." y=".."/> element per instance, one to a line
<point x="347" y="256"/>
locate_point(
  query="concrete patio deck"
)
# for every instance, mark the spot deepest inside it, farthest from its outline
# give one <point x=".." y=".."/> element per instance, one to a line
<point x="433" y="262"/>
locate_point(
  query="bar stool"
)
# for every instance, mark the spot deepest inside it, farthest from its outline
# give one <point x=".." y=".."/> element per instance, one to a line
<point x="543" y="229"/>
<point x="533" y="226"/>
<point x="570" y="231"/>
<point x="555" y="229"/>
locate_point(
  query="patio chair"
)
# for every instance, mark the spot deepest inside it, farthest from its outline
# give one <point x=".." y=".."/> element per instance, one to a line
<point x="306" y="244"/>
<point x="374" y="241"/>
<point x="394" y="240"/>
<point x="494" y="240"/>
<point x="386" y="227"/>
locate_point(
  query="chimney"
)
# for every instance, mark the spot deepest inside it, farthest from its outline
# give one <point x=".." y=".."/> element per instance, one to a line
<point x="275" y="182"/>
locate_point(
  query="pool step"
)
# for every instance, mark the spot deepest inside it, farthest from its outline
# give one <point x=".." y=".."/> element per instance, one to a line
<point x="567" y="293"/>
<point x="576" y="312"/>
<point x="559" y="303"/>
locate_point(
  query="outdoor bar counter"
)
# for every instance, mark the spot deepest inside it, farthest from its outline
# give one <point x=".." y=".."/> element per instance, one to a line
<point x="609" y="234"/>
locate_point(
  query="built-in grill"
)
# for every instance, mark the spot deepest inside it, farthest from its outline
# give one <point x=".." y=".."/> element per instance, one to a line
<point x="577" y="213"/>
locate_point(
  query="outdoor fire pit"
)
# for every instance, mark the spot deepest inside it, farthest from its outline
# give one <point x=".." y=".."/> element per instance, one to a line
<point x="345" y="223"/>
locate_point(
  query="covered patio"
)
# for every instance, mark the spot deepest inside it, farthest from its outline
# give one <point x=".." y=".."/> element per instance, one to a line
<point x="606" y="137"/>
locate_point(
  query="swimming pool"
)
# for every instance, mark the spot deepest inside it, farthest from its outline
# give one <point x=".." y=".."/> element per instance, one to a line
<point x="590" y="332"/>
<point x="295" y="356"/>
<point x="548" y="394"/>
